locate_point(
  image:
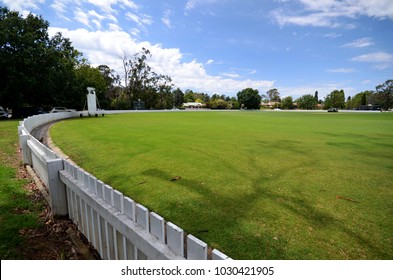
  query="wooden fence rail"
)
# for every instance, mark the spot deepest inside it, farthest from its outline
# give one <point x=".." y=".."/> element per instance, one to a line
<point x="114" y="224"/>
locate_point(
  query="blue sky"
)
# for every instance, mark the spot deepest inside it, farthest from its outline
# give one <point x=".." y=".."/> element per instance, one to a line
<point x="224" y="46"/>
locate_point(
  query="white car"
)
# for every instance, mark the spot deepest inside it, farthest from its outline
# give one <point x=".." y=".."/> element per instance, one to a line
<point x="3" y="113"/>
<point x="59" y="110"/>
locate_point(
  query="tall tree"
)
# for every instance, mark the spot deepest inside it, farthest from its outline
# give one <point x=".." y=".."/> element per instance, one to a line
<point x="274" y="95"/>
<point x="87" y="76"/>
<point x="178" y="97"/>
<point x="359" y="99"/>
<point x="287" y="103"/>
<point x="249" y="98"/>
<point x="385" y="90"/>
<point x="140" y="75"/>
<point x="189" y="96"/>
<point x="65" y="59"/>
<point x="307" y="102"/>
<point x="336" y="99"/>
<point x="143" y="83"/>
<point x="28" y="57"/>
<point x="164" y="89"/>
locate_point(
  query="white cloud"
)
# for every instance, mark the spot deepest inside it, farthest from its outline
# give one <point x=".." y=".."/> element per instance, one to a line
<point x="332" y="35"/>
<point x="166" y="18"/>
<point x="314" y="19"/>
<point x="141" y="19"/>
<point x="82" y="17"/>
<point x="374" y="57"/>
<point x="230" y="75"/>
<point x="341" y="70"/>
<point x="328" y="13"/>
<point x="114" y="27"/>
<point x="360" y="43"/>
<point x="191" y="4"/>
<point x="106" y="5"/>
<point x="93" y="13"/>
<point x="379" y="60"/>
<point x="59" y="6"/>
<point x="210" y="61"/>
<point x="23" y="5"/>
<point x="129" y="4"/>
<point x="108" y="47"/>
<point x="381" y="66"/>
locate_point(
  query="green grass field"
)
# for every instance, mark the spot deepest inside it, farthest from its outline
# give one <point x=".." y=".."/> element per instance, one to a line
<point x="255" y="185"/>
<point x="17" y="211"/>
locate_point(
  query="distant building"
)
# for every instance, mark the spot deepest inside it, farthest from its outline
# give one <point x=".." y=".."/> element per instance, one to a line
<point x="270" y="104"/>
<point x="193" y="105"/>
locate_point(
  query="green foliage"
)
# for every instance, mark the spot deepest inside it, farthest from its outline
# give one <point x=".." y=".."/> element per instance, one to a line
<point x="178" y="96"/>
<point x="28" y="57"/>
<point x="336" y="99"/>
<point x="218" y="104"/>
<point x="249" y="98"/>
<point x="87" y="76"/>
<point x="255" y="185"/>
<point x="385" y="91"/>
<point x="144" y="84"/>
<point x="189" y="96"/>
<point x="307" y="102"/>
<point x="359" y="99"/>
<point x="121" y="104"/>
<point x="287" y="103"/>
<point x="273" y="95"/>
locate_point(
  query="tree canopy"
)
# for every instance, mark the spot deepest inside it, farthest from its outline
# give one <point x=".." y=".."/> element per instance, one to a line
<point x="336" y="99"/>
<point x="307" y="102"/>
<point x="385" y="92"/>
<point x="273" y="95"/>
<point x="35" y="70"/>
<point x="249" y="98"/>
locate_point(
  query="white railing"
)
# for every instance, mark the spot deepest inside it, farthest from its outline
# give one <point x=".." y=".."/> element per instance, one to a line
<point x="114" y="224"/>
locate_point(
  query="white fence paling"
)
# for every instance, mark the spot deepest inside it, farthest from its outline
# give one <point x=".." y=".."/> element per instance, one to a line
<point x="114" y="224"/>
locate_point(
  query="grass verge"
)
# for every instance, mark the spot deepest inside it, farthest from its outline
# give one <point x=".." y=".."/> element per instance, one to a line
<point x="17" y="212"/>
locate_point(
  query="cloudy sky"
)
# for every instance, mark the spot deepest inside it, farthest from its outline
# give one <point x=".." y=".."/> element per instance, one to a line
<point x="224" y="46"/>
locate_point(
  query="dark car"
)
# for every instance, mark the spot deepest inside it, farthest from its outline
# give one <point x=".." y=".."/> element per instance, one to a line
<point x="334" y="110"/>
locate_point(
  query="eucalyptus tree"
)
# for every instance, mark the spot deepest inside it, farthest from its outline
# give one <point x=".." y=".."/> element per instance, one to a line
<point x="385" y="91"/>
<point x="274" y="95"/>
<point x="142" y="83"/>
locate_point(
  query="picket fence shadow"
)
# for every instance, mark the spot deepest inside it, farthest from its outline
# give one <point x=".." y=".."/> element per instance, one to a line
<point x="117" y="226"/>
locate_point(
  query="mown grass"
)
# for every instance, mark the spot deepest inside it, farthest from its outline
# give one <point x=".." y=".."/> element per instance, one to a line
<point x="255" y="185"/>
<point x="17" y="212"/>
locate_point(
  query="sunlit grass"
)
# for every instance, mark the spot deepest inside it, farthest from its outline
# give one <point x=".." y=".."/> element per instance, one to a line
<point x="17" y="212"/>
<point x="255" y="185"/>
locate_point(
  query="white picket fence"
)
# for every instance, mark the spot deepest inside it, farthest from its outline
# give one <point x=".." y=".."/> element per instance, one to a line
<point x="114" y="224"/>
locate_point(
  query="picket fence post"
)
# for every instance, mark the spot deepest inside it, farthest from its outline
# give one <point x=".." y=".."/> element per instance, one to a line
<point x="57" y="190"/>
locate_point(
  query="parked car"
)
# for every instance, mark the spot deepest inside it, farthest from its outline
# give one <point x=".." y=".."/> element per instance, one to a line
<point x="3" y="113"/>
<point x="59" y="110"/>
<point x="334" y="110"/>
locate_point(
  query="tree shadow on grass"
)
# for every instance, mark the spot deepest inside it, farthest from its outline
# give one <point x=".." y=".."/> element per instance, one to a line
<point x="220" y="219"/>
